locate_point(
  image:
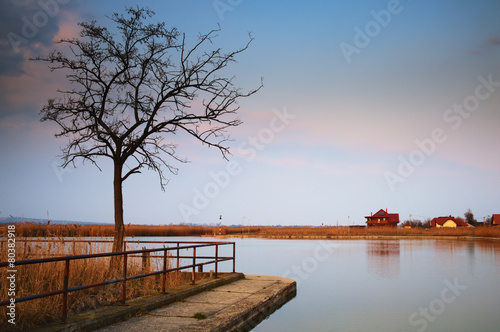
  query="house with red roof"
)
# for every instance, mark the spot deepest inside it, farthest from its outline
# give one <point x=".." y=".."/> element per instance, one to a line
<point x="495" y="220"/>
<point x="449" y="222"/>
<point x="382" y="218"/>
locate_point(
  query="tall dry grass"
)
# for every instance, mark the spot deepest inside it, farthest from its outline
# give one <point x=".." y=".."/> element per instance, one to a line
<point x="374" y="231"/>
<point x="74" y="230"/>
<point x="79" y="231"/>
<point x="46" y="277"/>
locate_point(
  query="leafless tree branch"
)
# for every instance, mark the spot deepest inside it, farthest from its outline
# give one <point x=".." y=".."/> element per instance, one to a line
<point x="131" y="90"/>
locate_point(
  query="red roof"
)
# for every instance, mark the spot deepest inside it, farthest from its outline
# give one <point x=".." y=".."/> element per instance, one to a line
<point x="441" y="220"/>
<point x="393" y="217"/>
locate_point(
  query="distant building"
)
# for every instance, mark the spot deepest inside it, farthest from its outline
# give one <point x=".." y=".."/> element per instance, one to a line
<point x="495" y="220"/>
<point x="449" y="222"/>
<point x="382" y="218"/>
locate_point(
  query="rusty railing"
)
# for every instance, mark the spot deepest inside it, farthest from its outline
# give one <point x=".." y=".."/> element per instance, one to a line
<point x="180" y="245"/>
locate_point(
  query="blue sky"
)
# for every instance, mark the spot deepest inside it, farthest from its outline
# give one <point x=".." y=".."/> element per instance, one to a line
<point x="407" y="121"/>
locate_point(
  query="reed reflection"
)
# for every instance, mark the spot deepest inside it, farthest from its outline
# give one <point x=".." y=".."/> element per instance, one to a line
<point x="383" y="258"/>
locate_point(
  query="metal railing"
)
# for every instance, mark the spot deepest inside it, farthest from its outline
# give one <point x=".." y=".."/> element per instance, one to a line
<point x="180" y="245"/>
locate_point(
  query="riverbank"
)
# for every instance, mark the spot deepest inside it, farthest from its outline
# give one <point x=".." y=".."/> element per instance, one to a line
<point x="355" y="237"/>
<point x="277" y="232"/>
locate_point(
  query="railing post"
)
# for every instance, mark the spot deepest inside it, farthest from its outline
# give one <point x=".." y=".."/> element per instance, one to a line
<point x="65" y="293"/>
<point x="234" y="257"/>
<point x="145" y="261"/>
<point x="178" y="245"/>
<point x="3" y="250"/>
<point x="124" y="282"/>
<point x="193" y="276"/>
<point x="164" y="270"/>
<point x="216" y="259"/>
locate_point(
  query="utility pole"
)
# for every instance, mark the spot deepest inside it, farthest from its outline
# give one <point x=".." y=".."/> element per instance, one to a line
<point x="220" y="224"/>
<point x="348" y="222"/>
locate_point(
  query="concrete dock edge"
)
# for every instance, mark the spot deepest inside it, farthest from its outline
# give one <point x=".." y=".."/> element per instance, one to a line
<point x="101" y="317"/>
<point x="249" y="313"/>
<point x="232" y="302"/>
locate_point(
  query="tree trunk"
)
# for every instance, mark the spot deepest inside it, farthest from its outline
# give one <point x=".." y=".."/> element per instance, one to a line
<point x="119" y="228"/>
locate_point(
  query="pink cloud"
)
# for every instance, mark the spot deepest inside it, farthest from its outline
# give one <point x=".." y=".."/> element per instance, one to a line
<point x="494" y="41"/>
<point x="23" y="123"/>
<point x="354" y="131"/>
<point x="33" y="88"/>
<point x="335" y="168"/>
<point x="14" y="123"/>
<point x="68" y="26"/>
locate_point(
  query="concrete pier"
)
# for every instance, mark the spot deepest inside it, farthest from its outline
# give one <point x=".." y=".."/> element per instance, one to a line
<point x="238" y="306"/>
<point x="234" y="302"/>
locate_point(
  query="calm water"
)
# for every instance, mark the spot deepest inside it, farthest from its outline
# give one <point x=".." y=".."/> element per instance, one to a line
<point x="379" y="285"/>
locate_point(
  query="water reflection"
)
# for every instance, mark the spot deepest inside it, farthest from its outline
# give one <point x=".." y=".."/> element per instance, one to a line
<point x="471" y="256"/>
<point x="377" y="285"/>
<point x="383" y="259"/>
<point x="456" y="256"/>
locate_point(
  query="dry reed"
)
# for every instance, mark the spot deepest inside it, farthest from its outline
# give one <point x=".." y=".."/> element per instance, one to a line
<point x="378" y="231"/>
<point x="46" y="277"/>
<point x="74" y="230"/>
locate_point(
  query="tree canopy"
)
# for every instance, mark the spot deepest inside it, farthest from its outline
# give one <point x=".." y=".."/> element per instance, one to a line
<point x="132" y="87"/>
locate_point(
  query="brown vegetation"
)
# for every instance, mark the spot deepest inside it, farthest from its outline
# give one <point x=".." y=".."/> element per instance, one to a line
<point x="378" y="231"/>
<point x="45" y="277"/>
<point x="75" y="230"/>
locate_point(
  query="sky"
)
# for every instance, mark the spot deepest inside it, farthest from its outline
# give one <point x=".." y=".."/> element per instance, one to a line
<point x="365" y="105"/>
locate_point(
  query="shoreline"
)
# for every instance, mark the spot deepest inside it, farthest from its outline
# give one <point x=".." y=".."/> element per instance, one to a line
<point x="355" y="237"/>
<point x="27" y="230"/>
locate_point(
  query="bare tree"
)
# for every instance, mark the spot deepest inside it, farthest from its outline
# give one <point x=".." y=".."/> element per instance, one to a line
<point x="469" y="218"/>
<point x="488" y="221"/>
<point x="133" y="87"/>
<point x="416" y="223"/>
<point x="426" y="223"/>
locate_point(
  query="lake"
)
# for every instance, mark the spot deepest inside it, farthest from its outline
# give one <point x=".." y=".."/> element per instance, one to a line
<point x="378" y="285"/>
